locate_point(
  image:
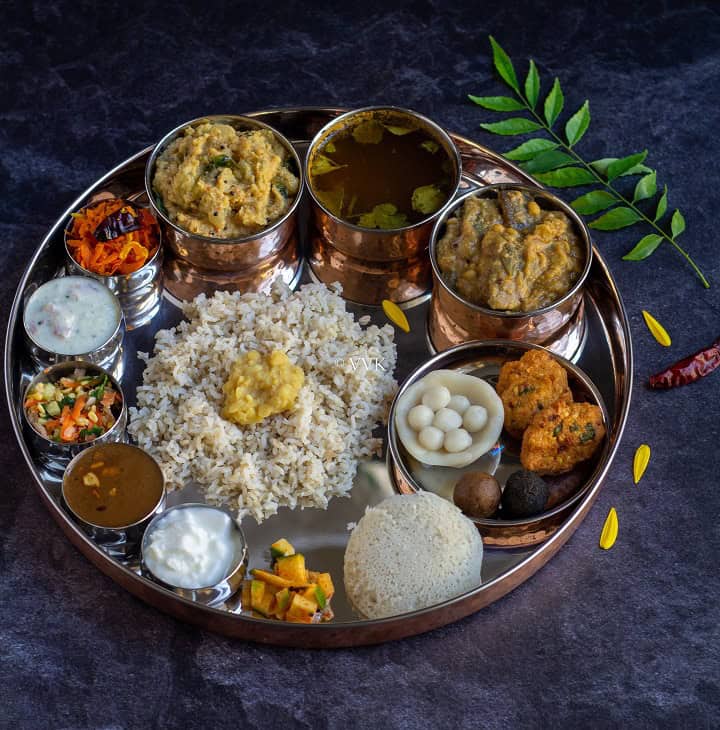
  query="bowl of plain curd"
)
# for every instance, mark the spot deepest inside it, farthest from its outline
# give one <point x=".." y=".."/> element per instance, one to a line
<point x="197" y="551"/>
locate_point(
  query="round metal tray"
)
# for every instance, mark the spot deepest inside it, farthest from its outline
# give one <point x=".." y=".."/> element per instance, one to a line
<point x="606" y="357"/>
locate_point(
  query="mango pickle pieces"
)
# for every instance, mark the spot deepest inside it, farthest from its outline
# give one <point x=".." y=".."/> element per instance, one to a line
<point x="289" y="592"/>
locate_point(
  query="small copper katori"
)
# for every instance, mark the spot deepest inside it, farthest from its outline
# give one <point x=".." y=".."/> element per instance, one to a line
<point x="373" y="264"/>
<point x="453" y="320"/>
<point x="195" y="263"/>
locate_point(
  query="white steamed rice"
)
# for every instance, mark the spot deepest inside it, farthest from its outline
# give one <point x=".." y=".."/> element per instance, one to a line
<point x="299" y="458"/>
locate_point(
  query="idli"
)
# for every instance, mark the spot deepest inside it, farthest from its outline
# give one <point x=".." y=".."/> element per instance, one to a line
<point x="410" y="552"/>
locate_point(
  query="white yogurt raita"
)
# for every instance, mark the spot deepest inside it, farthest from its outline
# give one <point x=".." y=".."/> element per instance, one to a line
<point x="72" y="315"/>
<point x="192" y="547"/>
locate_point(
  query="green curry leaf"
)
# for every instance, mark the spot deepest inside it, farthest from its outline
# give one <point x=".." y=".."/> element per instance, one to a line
<point x="644" y="247"/>
<point x="531" y="148"/>
<point x="398" y="131"/>
<point x="431" y="146"/>
<point x="369" y="132"/>
<point x="554" y="161"/>
<point x="497" y="103"/>
<point x="504" y="65"/>
<point x="332" y="200"/>
<point x="427" y="199"/>
<point x="624" y="164"/>
<point x="219" y="161"/>
<point x="677" y="223"/>
<point x="593" y="202"/>
<point x="322" y="164"/>
<point x="383" y="216"/>
<point x="601" y="166"/>
<point x="554" y="103"/>
<point x="567" y="177"/>
<point x="662" y="205"/>
<point x="548" y="160"/>
<point x="514" y="125"/>
<point x="532" y="85"/>
<point x="620" y="217"/>
<point x="578" y="124"/>
<point x="646" y="187"/>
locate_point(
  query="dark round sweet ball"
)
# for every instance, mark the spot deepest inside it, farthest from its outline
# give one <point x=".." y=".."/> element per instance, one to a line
<point x="525" y="494"/>
<point x="477" y="494"/>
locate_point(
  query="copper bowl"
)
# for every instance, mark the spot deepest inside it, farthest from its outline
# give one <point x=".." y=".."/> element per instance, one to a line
<point x="485" y="359"/>
<point x="373" y="264"/>
<point x="453" y="320"/>
<point x="254" y="261"/>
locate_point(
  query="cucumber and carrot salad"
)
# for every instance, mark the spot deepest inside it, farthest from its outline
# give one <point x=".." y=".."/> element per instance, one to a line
<point x="74" y="409"/>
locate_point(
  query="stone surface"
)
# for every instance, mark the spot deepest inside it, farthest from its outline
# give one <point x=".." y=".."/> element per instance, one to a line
<point x="627" y="637"/>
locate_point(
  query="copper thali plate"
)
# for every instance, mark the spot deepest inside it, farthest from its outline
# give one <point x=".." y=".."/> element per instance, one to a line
<point x="606" y="357"/>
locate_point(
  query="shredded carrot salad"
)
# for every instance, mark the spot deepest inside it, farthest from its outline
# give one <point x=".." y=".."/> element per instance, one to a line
<point x="124" y="251"/>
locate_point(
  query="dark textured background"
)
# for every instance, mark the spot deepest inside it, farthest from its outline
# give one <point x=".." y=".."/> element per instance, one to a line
<point x="627" y="637"/>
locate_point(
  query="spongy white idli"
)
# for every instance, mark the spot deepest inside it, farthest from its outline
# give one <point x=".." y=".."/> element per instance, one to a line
<point x="410" y="552"/>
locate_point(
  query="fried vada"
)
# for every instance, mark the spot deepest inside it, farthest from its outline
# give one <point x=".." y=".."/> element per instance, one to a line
<point x="528" y="386"/>
<point x="561" y="436"/>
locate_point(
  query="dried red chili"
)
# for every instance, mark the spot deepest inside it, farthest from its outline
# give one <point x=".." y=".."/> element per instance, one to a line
<point x="689" y="369"/>
<point x="118" y="224"/>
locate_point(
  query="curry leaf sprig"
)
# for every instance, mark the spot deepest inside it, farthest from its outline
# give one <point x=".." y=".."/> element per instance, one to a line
<point x="554" y="161"/>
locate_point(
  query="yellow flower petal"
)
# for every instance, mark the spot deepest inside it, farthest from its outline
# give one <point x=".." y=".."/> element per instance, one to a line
<point x="656" y="329"/>
<point x="640" y="462"/>
<point x="610" y="530"/>
<point x="395" y="315"/>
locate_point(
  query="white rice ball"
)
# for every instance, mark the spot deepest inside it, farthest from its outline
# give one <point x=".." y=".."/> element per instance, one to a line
<point x="410" y="552"/>
<point x="446" y="419"/>
<point x="431" y="438"/>
<point x="459" y="403"/>
<point x="475" y="418"/>
<point x="457" y="440"/>
<point x="436" y="397"/>
<point x="419" y="417"/>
